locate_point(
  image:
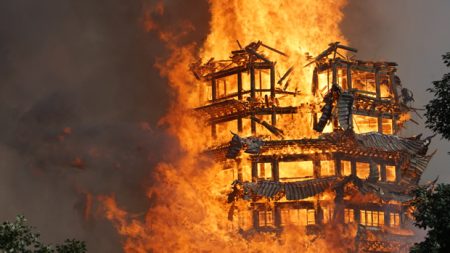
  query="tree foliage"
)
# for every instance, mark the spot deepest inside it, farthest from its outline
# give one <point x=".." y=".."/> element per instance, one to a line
<point x="432" y="212"/>
<point x="18" y="237"/>
<point x="438" y="109"/>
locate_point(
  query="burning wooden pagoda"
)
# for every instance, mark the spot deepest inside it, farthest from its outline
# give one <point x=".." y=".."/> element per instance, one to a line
<point x="322" y="153"/>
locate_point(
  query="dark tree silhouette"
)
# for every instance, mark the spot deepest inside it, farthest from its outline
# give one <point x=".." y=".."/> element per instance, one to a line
<point x="18" y="237"/>
<point x="432" y="212"/>
<point x="438" y="109"/>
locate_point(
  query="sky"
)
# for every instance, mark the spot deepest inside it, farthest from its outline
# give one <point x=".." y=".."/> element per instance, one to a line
<point x="80" y="99"/>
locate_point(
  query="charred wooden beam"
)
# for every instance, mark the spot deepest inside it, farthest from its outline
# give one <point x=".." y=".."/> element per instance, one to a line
<point x="278" y="132"/>
<point x="285" y="75"/>
<point x="273" y="49"/>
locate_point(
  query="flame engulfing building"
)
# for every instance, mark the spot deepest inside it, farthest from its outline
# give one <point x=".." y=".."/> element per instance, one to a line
<point x="314" y="154"/>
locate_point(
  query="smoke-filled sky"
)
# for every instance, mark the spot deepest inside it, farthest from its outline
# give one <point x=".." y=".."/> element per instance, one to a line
<point x="80" y="99"/>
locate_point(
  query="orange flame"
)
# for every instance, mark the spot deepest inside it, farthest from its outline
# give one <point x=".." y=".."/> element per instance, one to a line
<point x="190" y="210"/>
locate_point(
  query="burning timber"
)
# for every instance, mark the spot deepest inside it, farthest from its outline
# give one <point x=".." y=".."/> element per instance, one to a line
<point x="324" y="154"/>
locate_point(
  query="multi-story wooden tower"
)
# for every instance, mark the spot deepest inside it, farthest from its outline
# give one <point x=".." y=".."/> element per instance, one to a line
<point x="309" y="155"/>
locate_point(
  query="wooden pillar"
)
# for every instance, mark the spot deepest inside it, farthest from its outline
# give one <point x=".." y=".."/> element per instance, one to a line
<point x="239" y="169"/>
<point x="275" y="171"/>
<point x="338" y="166"/>
<point x="353" y="167"/>
<point x="252" y="82"/>
<point x="334" y="72"/>
<point x="349" y="76"/>
<point x="239" y="85"/>
<point x="380" y="123"/>
<point x="239" y="92"/>
<point x="319" y="214"/>
<point x="394" y="124"/>
<point x="277" y="216"/>
<point x="272" y="81"/>
<point x="377" y="83"/>
<point x="316" y="166"/>
<point x="239" y="125"/>
<point x="357" y="213"/>
<point x="315" y="82"/>
<point x="387" y="217"/>
<point x="272" y="93"/>
<point x="383" y="172"/>
<point x="393" y="85"/>
<point x="213" y="89"/>
<point x="253" y="125"/>
<point x="252" y="95"/>
<point x="254" y="171"/>
<point x="255" y="218"/>
<point x="398" y="175"/>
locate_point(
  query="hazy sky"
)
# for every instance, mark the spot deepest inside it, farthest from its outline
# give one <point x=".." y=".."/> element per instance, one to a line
<point x="88" y="65"/>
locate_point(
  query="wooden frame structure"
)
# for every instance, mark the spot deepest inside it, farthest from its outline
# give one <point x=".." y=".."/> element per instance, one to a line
<point x="392" y="165"/>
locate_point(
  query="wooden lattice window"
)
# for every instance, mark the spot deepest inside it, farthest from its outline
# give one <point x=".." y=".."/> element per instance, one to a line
<point x="265" y="218"/>
<point x="349" y="215"/>
<point x="298" y="217"/>
<point x="394" y="219"/>
<point x="372" y="218"/>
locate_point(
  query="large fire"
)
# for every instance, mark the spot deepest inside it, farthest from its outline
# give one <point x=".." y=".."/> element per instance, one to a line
<point x="189" y="207"/>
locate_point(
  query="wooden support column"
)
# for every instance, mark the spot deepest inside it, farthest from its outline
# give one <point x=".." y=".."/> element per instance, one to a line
<point x="254" y="171"/>
<point x="277" y="216"/>
<point x="316" y="166"/>
<point x="315" y="82"/>
<point x="272" y="93"/>
<point x="383" y="172"/>
<point x="252" y="82"/>
<point x="387" y="217"/>
<point x="314" y="90"/>
<point x="377" y="84"/>
<point x="213" y="89"/>
<point x="255" y="218"/>
<point x="398" y="172"/>
<point x="252" y="95"/>
<point x="349" y="76"/>
<point x="253" y="125"/>
<point x="239" y="125"/>
<point x="319" y="214"/>
<point x="357" y="213"/>
<point x="394" y="124"/>
<point x="334" y="72"/>
<point x="275" y="171"/>
<point x="393" y="85"/>
<point x="353" y="167"/>
<point x="338" y="166"/>
<point x="239" y="85"/>
<point x="272" y="80"/>
<point x="380" y="123"/>
<point x="239" y="169"/>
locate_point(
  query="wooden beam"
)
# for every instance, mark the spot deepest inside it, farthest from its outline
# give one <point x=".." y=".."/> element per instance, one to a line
<point x="380" y="123"/>
<point x="377" y="84"/>
<point x="383" y="172"/>
<point x="254" y="170"/>
<point x="239" y="85"/>
<point x="349" y="76"/>
<point x="252" y="82"/>
<point x="275" y="171"/>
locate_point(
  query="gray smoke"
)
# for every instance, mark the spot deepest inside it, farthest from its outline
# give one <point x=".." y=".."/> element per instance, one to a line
<point x="80" y="102"/>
